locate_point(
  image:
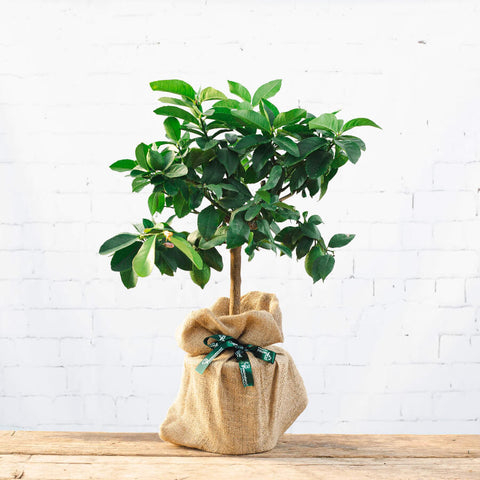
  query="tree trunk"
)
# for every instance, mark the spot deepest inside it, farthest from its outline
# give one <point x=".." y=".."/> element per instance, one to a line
<point x="235" y="279"/>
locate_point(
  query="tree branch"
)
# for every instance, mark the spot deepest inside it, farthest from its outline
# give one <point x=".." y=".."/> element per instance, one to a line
<point x="281" y="199"/>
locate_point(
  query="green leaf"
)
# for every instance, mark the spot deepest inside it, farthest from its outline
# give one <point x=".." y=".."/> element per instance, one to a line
<point x="176" y="112"/>
<point x="239" y="90"/>
<point x="197" y="157"/>
<point x="208" y="221"/>
<point x="213" y="172"/>
<point x="174" y="86"/>
<point x="236" y="186"/>
<point x="145" y="258"/>
<point x="194" y="237"/>
<point x="261" y="155"/>
<point x="353" y="139"/>
<point x="122" y="259"/>
<point x="172" y="128"/>
<point x="141" y="155"/>
<point x="313" y="185"/>
<point x="117" y="242"/>
<point x="267" y="90"/>
<point x="129" y="278"/>
<point x="187" y="249"/>
<point x="217" y="190"/>
<point x="287" y="144"/>
<point x="225" y="117"/>
<point x="123" y="165"/>
<point x="235" y="199"/>
<point x="287" y="118"/>
<point x="265" y="196"/>
<point x="139" y="183"/>
<point x="273" y="178"/>
<point x="156" y="202"/>
<point x="165" y="263"/>
<point x="285" y="212"/>
<point x="160" y="160"/>
<point x="136" y="172"/>
<point x="266" y="112"/>
<point x="264" y="228"/>
<point x="351" y="149"/>
<point x="315" y="219"/>
<point x="228" y="103"/>
<point x="296" y="129"/>
<point x="181" y="206"/>
<point x="289" y="236"/>
<point x="310" y="230"/>
<point x="154" y="160"/>
<point x="303" y="246"/>
<point x="252" y="118"/>
<point x="327" y="121"/>
<point x="359" y="122"/>
<point x="219" y="238"/>
<point x="340" y="160"/>
<point x="177" y="258"/>
<point x="170" y="185"/>
<point x="270" y="106"/>
<point x="310" y="144"/>
<point x="340" y="240"/>
<point x="139" y="227"/>
<point x="176" y="170"/>
<point x="322" y="266"/>
<point x="298" y="178"/>
<point x="211" y="93"/>
<point x="312" y="255"/>
<point x="184" y="102"/>
<point x="317" y="163"/>
<point x="251" y="140"/>
<point x="147" y="223"/>
<point x="238" y="231"/>
<point x="205" y="144"/>
<point x="229" y="160"/>
<point x="168" y="156"/>
<point x="200" y="276"/>
<point x="326" y="179"/>
<point x="284" y="249"/>
<point x="212" y="258"/>
<point x="252" y="212"/>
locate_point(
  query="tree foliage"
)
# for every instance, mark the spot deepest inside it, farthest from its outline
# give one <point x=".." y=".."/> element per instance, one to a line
<point x="234" y="163"/>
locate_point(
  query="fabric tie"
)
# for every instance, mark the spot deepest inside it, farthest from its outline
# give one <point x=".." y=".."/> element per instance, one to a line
<point x="222" y="342"/>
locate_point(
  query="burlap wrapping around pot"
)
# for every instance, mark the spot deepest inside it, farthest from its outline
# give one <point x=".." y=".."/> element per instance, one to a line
<point x="214" y="411"/>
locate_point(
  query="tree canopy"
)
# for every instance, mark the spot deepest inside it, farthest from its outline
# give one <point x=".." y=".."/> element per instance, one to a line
<point x="234" y="163"/>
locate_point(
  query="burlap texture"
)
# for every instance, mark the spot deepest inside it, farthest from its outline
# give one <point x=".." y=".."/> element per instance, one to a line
<point x="214" y="411"/>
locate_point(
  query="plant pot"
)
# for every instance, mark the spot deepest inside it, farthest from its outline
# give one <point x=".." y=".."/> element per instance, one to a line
<point x="214" y="411"/>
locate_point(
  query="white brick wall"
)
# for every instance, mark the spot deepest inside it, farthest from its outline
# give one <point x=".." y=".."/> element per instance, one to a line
<point x="390" y="343"/>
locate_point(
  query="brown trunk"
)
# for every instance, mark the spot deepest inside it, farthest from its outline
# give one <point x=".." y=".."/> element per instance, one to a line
<point x="235" y="279"/>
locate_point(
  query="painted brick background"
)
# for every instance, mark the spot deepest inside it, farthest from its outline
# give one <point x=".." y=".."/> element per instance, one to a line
<point x="390" y="342"/>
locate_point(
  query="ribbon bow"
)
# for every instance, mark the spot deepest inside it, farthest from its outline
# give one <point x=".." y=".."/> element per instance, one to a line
<point x="225" y="341"/>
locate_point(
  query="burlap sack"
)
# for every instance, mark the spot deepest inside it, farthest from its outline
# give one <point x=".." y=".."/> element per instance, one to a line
<point x="214" y="411"/>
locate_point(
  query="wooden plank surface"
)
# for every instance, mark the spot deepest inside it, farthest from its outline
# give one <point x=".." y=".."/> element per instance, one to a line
<point x="81" y="467"/>
<point x="307" y="446"/>
<point x="102" y="456"/>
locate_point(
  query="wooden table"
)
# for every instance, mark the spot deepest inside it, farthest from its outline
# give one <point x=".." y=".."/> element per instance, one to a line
<point x="119" y="456"/>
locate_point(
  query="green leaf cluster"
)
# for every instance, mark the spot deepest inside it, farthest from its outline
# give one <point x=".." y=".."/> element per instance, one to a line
<point x="234" y="163"/>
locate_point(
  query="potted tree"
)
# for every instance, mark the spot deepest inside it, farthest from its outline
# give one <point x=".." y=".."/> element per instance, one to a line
<point x="234" y="163"/>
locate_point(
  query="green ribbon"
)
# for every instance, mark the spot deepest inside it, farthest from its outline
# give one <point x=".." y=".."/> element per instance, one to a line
<point x="225" y="341"/>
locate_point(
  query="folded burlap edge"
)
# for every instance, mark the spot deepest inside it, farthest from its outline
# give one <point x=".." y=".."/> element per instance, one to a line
<point x="259" y="323"/>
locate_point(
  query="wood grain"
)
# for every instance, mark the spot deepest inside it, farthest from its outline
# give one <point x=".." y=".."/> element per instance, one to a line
<point x="127" y="456"/>
<point x="308" y="446"/>
<point x="175" y="468"/>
